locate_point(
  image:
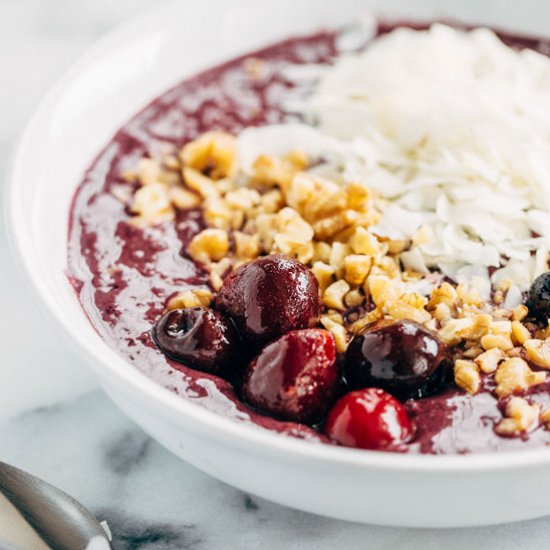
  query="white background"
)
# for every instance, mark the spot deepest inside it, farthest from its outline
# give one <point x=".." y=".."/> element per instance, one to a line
<point x="53" y="423"/>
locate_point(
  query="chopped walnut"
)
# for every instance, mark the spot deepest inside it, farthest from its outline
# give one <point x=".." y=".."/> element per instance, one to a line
<point x="337" y="330"/>
<point x="364" y="242"/>
<point x="520" y="312"/>
<point x="200" y="183"/>
<point x="190" y="298"/>
<point x="466" y="328"/>
<point x="324" y="274"/>
<point x="538" y="352"/>
<point x="354" y="298"/>
<point x="514" y="375"/>
<point x="214" y="152"/>
<point x="444" y="294"/>
<point x="183" y="199"/>
<point x="356" y="268"/>
<point x="545" y="418"/>
<point x="521" y="417"/>
<point x="500" y="341"/>
<point x="467" y="376"/>
<point x="152" y="205"/>
<point x="520" y="333"/>
<point x="489" y="360"/>
<point x="246" y="246"/>
<point x="278" y="205"/>
<point x="209" y="245"/>
<point x="333" y="296"/>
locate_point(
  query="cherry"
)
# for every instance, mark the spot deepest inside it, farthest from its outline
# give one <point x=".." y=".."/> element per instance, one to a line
<point x="402" y="357"/>
<point x="199" y="338"/>
<point x="538" y="297"/>
<point x="368" y="419"/>
<point x="269" y="297"/>
<point x="295" y="377"/>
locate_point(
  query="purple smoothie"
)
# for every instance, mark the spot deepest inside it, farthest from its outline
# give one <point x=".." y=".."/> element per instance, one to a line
<point x="123" y="275"/>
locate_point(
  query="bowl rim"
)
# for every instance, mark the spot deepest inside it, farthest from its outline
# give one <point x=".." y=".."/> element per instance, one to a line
<point x="210" y="423"/>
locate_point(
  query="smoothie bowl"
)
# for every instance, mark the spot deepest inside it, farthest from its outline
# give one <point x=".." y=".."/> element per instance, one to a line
<point x="318" y="268"/>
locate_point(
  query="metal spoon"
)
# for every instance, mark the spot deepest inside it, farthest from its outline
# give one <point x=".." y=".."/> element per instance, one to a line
<point x="61" y="521"/>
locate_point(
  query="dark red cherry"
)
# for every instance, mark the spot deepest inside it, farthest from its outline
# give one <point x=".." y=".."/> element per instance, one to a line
<point x="295" y="377"/>
<point x="368" y="419"/>
<point x="270" y="296"/>
<point x="538" y="297"/>
<point x="199" y="338"/>
<point x="402" y="357"/>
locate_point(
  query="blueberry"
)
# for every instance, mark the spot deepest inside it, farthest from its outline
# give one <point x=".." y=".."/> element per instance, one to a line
<point x="538" y="297"/>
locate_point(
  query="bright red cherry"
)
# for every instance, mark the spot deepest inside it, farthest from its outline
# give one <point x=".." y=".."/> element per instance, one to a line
<point x="295" y="377"/>
<point x="368" y="419"/>
<point x="270" y="296"/>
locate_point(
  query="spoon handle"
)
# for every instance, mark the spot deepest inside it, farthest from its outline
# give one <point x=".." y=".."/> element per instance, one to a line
<point x="61" y="521"/>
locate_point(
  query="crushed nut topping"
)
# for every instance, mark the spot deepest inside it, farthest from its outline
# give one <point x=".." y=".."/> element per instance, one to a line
<point x="467" y="376"/>
<point x="521" y="417"/>
<point x="281" y="205"/>
<point x="538" y="352"/>
<point x="514" y="375"/>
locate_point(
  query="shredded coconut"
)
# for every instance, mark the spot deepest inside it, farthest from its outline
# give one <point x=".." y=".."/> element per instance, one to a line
<point x="452" y="129"/>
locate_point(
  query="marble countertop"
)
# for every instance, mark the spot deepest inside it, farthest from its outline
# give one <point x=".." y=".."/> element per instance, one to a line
<point x="56" y="423"/>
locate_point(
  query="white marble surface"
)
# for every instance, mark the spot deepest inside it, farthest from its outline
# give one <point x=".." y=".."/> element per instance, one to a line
<point x="55" y="422"/>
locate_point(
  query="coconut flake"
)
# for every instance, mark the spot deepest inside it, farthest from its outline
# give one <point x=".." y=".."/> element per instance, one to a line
<point x="452" y="130"/>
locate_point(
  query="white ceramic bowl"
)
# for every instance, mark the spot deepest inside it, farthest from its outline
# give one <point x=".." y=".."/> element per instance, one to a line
<point x="109" y="84"/>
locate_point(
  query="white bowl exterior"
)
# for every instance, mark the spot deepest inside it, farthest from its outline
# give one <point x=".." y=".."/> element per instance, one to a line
<point x="105" y="88"/>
